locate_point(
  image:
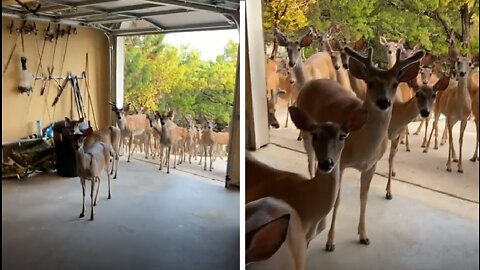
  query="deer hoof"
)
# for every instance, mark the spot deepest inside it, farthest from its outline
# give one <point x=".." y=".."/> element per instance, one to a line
<point x="109" y="196"/>
<point x="81" y="215"/>
<point x="95" y="204"/>
<point x="473" y="159"/>
<point x="388" y="196"/>
<point x="460" y="170"/>
<point x="425" y="151"/>
<point x="91" y="218"/>
<point x="394" y="173"/>
<point x="299" y="138"/>
<point x="435" y="147"/>
<point x="365" y="241"/>
<point x="449" y="170"/>
<point x="408" y="149"/>
<point x="330" y="248"/>
<point x="455" y="160"/>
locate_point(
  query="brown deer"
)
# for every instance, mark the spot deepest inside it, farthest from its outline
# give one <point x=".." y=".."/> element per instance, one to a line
<point x="324" y="101"/>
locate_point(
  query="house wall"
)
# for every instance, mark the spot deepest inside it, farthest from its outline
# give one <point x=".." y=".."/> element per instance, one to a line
<point x="20" y="111"/>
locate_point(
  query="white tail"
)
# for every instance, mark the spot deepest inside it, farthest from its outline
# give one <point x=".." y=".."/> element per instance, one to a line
<point x="274" y="237"/>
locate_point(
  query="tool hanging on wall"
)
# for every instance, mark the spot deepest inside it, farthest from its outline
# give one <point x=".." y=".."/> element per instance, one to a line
<point x="19" y="32"/>
<point x="84" y="74"/>
<point x="40" y="55"/>
<point x="25" y="78"/>
<point x="73" y="79"/>
<point x="53" y="59"/>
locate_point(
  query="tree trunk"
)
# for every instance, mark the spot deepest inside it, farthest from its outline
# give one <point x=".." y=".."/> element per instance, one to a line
<point x="465" y="25"/>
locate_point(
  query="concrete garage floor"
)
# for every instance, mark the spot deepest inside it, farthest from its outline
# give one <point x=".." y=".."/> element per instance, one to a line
<point x="153" y="221"/>
<point x="431" y="223"/>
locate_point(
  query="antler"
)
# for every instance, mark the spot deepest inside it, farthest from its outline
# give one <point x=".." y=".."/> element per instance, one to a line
<point x="400" y="64"/>
<point x="367" y="61"/>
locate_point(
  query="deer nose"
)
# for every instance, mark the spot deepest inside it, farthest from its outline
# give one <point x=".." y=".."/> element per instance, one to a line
<point x="389" y="52"/>
<point x="424" y="113"/>
<point x="337" y="67"/>
<point x="291" y="64"/>
<point x="345" y="66"/>
<point x="425" y="82"/>
<point x="462" y="74"/>
<point x="326" y="164"/>
<point x="383" y="103"/>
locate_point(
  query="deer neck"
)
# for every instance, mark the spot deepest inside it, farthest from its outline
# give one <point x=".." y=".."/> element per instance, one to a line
<point x="342" y="78"/>
<point x="391" y="59"/>
<point x="83" y="160"/>
<point x="299" y="74"/>
<point x="403" y="113"/>
<point x="121" y="123"/>
<point x="462" y="91"/>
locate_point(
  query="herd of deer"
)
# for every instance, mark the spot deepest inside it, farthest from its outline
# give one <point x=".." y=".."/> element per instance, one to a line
<point x="347" y="109"/>
<point x="99" y="150"/>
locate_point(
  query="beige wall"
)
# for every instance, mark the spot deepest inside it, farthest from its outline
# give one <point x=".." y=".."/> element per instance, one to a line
<point x="19" y="111"/>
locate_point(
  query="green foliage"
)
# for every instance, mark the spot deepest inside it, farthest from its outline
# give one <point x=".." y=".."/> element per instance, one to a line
<point x="161" y="77"/>
<point x="418" y="21"/>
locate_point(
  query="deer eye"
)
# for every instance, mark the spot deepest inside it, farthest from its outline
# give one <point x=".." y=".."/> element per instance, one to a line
<point x="298" y="49"/>
<point x="434" y="95"/>
<point x="342" y="137"/>
<point x="417" y="95"/>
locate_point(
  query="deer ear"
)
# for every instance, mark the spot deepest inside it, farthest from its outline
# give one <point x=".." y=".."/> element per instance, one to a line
<point x="401" y="41"/>
<point x="301" y="120"/>
<point x="306" y="40"/>
<point x="442" y="84"/>
<point x="357" y="68"/>
<point x="383" y="41"/>
<point x="280" y="37"/>
<point x="356" y="121"/>
<point x="87" y="132"/>
<point x="409" y="72"/>
<point x="264" y="241"/>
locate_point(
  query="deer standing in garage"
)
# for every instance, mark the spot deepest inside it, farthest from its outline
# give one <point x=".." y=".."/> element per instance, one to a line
<point x="324" y="100"/>
<point x="169" y="138"/>
<point x="132" y="125"/>
<point x="90" y="162"/>
<point x="274" y="237"/>
<point x="312" y="199"/>
<point x="207" y="140"/>
<point x="405" y="112"/>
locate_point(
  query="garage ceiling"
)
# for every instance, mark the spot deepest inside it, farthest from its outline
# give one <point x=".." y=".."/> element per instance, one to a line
<point x="131" y="17"/>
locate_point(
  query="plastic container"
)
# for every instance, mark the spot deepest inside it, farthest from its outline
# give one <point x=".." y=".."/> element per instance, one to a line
<point x="39" y="129"/>
<point x="64" y="152"/>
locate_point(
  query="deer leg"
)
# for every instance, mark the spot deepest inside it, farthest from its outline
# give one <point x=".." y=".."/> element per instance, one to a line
<point x="330" y="246"/>
<point x="175" y="152"/>
<point x="82" y="182"/>
<point x="419" y="127"/>
<point x="211" y="162"/>
<point x="475" y="155"/>
<point x="402" y="136"/>
<point x="450" y="146"/>
<point x="424" y="143"/>
<point x="407" y="144"/>
<point x="116" y="165"/>
<point x="365" y="180"/>
<point x="96" y="178"/>
<point x="109" y="186"/>
<point x="299" y="138"/>
<point x="286" y="120"/>
<point x="430" y="137"/>
<point x="130" y="147"/>
<point x="205" y="161"/>
<point x="463" y="125"/>
<point x="391" y="171"/>
<point x="91" y="198"/>
<point x="146" y="145"/>
<point x="168" y="158"/>
<point x="307" y="143"/>
<point x="444" y="135"/>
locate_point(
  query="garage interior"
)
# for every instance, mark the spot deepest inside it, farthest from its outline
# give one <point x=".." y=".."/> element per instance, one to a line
<point x="432" y="221"/>
<point x="186" y="220"/>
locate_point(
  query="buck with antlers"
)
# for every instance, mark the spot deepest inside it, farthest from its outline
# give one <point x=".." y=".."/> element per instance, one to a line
<point x="312" y="199"/>
<point x="324" y="101"/>
<point x="405" y="112"/>
<point x="274" y="237"/>
<point x="132" y="125"/>
<point x="90" y="161"/>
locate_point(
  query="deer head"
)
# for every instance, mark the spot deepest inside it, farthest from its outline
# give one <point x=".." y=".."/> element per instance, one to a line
<point x="425" y="95"/>
<point x="294" y="47"/>
<point x="382" y="84"/>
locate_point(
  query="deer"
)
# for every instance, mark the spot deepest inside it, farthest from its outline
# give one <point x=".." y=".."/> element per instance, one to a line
<point x="475" y="114"/>
<point x="341" y="72"/>
<point x="271" y="107"/>
<point x="169" y="138"/>
<point x="405" y="112"/>
<point x="207" y="140"/>
<point x="90" y="162"/>
<point x="190" y="143"/>
<point x="316" y="66"/>
<point x="221" y="141"/>
<point x="324" y="100"/>
<point x="274" y="237"/>
<point x="455" y="103"/>
<point x="312" y="199"/>
<point x="132" y="125"/>
<point x="287" y="84"/>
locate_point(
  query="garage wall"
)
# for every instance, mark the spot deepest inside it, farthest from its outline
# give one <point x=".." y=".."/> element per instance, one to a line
<point x="19" y="111"/>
